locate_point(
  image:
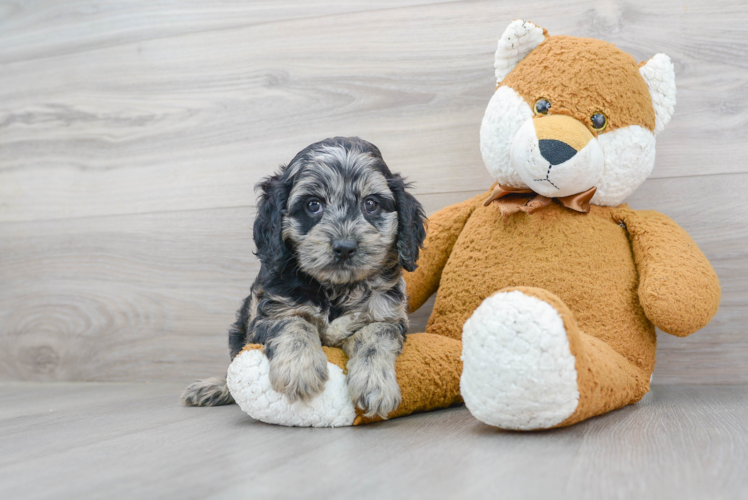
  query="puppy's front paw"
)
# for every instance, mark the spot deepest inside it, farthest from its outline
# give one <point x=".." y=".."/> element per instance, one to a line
<point x="340" y="329"/>
<point x="300" y="375"/>
<point x="373" y="387"/>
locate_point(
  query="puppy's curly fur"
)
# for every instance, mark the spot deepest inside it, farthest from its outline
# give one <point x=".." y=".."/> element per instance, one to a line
<point x="334" y="230"/>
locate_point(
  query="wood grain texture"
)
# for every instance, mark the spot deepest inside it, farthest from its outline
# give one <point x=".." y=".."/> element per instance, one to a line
<point x="203" y="113"/>
<point x="150" y="296"/>
<point x="132" y="134"/>
<point x="76" y="440"/>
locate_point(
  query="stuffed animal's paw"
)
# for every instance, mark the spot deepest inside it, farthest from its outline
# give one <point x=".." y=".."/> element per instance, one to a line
<point x="249" y="381"/>
<point x="518" y="369"/>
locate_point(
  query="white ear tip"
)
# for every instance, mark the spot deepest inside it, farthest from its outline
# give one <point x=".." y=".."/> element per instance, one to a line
<point x="659" y="73"/>
<point x="519" y="38"/>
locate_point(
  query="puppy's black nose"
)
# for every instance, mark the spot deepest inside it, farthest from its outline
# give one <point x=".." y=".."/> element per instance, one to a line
<point x="344" y="249"/>
<point x="556" y="152"/>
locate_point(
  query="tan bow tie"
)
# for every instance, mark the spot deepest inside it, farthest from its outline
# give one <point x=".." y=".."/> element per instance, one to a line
<point x="509" y="205"/>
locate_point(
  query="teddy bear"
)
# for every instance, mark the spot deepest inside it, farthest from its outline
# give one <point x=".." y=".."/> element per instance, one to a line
<point x="548" y="286"/>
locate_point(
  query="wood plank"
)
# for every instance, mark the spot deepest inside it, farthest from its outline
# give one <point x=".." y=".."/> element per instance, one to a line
<point x="133" y="440"/>
<point x="50" y="28"/>
<point x="123" y="298"/>
<point x="110" y="118"/>
<point x="149" y="297"/>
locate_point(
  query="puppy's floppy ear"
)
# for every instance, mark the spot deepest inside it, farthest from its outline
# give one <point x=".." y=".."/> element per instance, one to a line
<point x="411" y="230"/>
<point x="268" y="229"/>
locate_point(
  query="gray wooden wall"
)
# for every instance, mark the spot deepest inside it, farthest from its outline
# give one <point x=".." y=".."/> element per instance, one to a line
<point x="132" y="133"/>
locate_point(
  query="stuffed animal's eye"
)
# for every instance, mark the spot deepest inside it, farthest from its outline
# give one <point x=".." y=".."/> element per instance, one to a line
<point x="599" y="121"/>
<point x="542" y="107"/>
<point x="314" y="207"/>
<point x="370" y="205"/>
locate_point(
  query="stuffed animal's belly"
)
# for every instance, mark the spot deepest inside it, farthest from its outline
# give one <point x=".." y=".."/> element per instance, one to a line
<point x="586" y="260"/>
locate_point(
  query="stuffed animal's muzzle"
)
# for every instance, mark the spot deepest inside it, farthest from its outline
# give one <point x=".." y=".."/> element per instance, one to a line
<point x="557" y="155"/>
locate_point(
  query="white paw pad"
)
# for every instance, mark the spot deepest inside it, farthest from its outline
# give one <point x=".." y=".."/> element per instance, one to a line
<point x="249" y="383"/>
<point x="518" y="370"/>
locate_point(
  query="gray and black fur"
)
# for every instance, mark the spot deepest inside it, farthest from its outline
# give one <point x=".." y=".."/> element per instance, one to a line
<point x="334" y="230"/>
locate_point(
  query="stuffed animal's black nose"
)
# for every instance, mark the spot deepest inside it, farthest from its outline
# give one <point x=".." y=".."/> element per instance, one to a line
<point x="344" y="249"/>
<point x="556" y="152"/>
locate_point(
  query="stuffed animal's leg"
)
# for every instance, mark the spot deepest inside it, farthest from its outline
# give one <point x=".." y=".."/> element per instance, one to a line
<point x="527" y="365"/>
<point x="427" y="371"/>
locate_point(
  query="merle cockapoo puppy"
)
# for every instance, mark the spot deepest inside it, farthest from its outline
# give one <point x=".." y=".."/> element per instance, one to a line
<point x="334" y="230"/>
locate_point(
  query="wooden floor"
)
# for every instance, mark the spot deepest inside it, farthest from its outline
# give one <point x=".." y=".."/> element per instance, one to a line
<point x="133" y="131"/>
<point x="112" y="440"/>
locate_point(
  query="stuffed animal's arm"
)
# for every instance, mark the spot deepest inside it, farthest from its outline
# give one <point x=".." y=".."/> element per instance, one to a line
<point x="443" y="229"/>
<point x="678" y="288"/>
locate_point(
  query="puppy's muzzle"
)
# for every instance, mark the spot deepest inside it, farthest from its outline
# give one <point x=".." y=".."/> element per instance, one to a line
<point x="344" y="249"/>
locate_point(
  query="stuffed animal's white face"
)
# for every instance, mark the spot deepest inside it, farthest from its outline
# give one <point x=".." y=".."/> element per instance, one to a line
<point x="561" y="133"/>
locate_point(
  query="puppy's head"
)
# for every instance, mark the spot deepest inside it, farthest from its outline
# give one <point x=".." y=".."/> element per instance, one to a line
<point x="339" y="212"/>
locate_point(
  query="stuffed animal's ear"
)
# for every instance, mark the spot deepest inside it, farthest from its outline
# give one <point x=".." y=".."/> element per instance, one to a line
<point x="268" y="229"/>
<point x="411" y="230"/>
<point x="518" y="40"/>
<point x="659" y="74"/>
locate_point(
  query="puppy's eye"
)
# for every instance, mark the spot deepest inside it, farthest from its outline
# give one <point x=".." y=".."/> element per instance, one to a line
<point x="371" y="205"/>
<point x="314" y="207"/>
<point x="542" y="107"/>
<point x="599" y="121"/>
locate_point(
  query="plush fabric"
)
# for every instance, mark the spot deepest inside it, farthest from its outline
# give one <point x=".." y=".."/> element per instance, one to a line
<point x="612" y="275"/>
<point x="588" y="76"/>
<point x="533" y="294"/>
<point x="678" y="289"/>
<point x="554" y="310"/>
<point x="428" y="372"/>
<point x="659" y="74"/>
<point x="535" y="385"/>
<point x="249" y="383"/>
